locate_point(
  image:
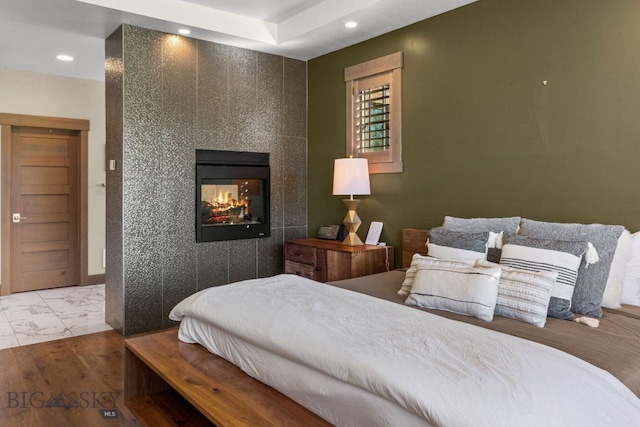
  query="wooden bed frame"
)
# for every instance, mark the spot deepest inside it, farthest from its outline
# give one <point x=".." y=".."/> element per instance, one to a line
<point x="159" y="362"/>
<point x="158" y="365"/>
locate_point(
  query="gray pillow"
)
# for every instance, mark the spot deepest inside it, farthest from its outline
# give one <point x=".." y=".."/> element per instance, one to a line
<point x="476" y="225"/>
<point x="563" y="257"/>
<point x="476" y="242"/>
<point x="592" y="279"/>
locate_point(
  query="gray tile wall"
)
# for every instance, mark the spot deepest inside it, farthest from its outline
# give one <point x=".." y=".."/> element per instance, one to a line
<point x="167" y="96"/>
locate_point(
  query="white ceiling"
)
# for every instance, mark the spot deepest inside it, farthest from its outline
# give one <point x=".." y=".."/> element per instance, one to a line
<point x="33" y="32"/>
<point x="269" y="11"/>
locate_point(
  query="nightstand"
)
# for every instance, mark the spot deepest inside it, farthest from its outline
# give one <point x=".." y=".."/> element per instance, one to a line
<point x="329" y="260"/>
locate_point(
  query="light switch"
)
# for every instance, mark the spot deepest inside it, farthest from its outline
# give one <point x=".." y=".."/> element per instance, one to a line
<point x="112" y="165"/>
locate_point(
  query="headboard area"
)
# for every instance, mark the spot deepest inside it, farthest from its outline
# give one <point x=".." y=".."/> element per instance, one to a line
<point x="413" y="241"/>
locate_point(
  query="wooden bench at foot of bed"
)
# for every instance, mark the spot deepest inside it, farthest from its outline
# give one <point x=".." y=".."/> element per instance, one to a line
<point x="158" y="362"/>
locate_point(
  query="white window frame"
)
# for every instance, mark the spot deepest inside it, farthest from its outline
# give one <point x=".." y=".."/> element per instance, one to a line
<point x="377" y="72"/>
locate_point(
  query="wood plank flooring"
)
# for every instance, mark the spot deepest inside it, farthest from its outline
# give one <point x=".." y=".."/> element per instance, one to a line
<point x="76" y="381"/>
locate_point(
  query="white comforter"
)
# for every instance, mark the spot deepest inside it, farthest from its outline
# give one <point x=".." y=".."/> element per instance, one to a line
<point x="444" y="372"/>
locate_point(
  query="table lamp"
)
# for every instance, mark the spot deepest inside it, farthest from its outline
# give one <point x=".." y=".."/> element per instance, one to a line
<point x="351" y="176"/>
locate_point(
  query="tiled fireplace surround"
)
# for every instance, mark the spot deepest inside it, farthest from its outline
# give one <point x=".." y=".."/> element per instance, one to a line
<point x="167" y="96"/>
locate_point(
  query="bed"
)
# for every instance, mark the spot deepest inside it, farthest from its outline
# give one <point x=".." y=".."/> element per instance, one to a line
<point x="355" y="354"/>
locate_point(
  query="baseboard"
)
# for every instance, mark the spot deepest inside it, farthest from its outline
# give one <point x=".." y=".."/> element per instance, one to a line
<point x="96" y="279"/>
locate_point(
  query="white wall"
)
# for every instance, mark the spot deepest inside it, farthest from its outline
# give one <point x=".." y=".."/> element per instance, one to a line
<point x="47" y="95"/>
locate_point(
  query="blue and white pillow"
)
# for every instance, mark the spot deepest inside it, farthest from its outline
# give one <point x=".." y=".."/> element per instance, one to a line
<point x="563" y="257"/>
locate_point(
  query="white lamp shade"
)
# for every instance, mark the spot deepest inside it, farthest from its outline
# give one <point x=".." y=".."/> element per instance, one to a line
<point x="351" y="176"/>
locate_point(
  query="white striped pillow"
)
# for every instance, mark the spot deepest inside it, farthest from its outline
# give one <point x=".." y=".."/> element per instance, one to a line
<point x="418" y="260"/>
<point x="563" y="257"/>
<point x="467" y="290"/>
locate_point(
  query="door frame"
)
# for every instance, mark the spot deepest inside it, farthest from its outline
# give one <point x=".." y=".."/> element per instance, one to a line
<point x="7" y="121"/>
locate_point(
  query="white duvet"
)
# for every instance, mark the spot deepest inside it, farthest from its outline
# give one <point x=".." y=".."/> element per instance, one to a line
<point x="357" y="359"/>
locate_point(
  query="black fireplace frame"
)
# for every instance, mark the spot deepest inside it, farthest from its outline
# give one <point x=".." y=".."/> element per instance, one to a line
<point x="216" y="164"/>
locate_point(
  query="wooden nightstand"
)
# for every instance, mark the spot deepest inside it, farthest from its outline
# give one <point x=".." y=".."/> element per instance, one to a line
<point x="329" y="260"/>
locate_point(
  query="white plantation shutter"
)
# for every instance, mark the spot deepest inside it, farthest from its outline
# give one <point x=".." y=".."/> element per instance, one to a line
<point x="373" y="109"/>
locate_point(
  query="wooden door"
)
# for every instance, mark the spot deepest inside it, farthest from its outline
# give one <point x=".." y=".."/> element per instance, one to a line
<point x="45" y="208"/>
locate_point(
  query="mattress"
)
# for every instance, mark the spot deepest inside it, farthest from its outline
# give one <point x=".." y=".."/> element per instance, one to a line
<point x="357" y="360"/>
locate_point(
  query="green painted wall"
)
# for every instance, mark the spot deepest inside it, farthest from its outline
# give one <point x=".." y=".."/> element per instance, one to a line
<point x="482" y="134"/>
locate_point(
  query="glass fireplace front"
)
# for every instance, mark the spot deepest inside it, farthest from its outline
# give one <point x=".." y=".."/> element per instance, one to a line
<point x="232" y="195"/>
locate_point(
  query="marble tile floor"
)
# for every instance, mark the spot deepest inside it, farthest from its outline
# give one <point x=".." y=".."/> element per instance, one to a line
<point x="51" y="314"/>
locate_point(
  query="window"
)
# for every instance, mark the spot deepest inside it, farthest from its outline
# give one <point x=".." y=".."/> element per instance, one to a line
<point x="374" y="110"/>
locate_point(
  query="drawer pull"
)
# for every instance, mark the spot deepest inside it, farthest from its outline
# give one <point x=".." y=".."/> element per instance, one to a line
<point x="297" y="253"/>
<point x="318" y="268"/>
<point x="298" y="273"/>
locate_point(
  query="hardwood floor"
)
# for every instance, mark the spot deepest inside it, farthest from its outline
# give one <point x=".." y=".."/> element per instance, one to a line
<point x="75" y="381"/>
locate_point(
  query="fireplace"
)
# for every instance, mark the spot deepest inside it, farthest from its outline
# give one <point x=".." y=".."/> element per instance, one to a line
<point x="232" y="195"/>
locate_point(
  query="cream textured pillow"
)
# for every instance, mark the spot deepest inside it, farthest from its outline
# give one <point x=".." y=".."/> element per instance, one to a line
<point x="522" y="294"/>
<point x="472" y="291"/>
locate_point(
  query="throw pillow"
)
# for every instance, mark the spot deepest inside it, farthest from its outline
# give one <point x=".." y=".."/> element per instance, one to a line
<point x="563" y="257"/>
<point x="417" y="260"/>
<point x="522" y="294"/>
<point x="592" y="279"/>
<point x="467" y="290"/>
<point x="445" y="252"/>
<point x="459" y="239"/>
<point x="613" y="290"/>
<point x="508" y="225"/>
<point x="631" y="283"/>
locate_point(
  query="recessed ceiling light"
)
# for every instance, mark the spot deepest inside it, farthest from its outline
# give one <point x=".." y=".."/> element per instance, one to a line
<point x="351" y="24"/>
<point x="184" y="31"/>
<point x="65" y="57"/>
